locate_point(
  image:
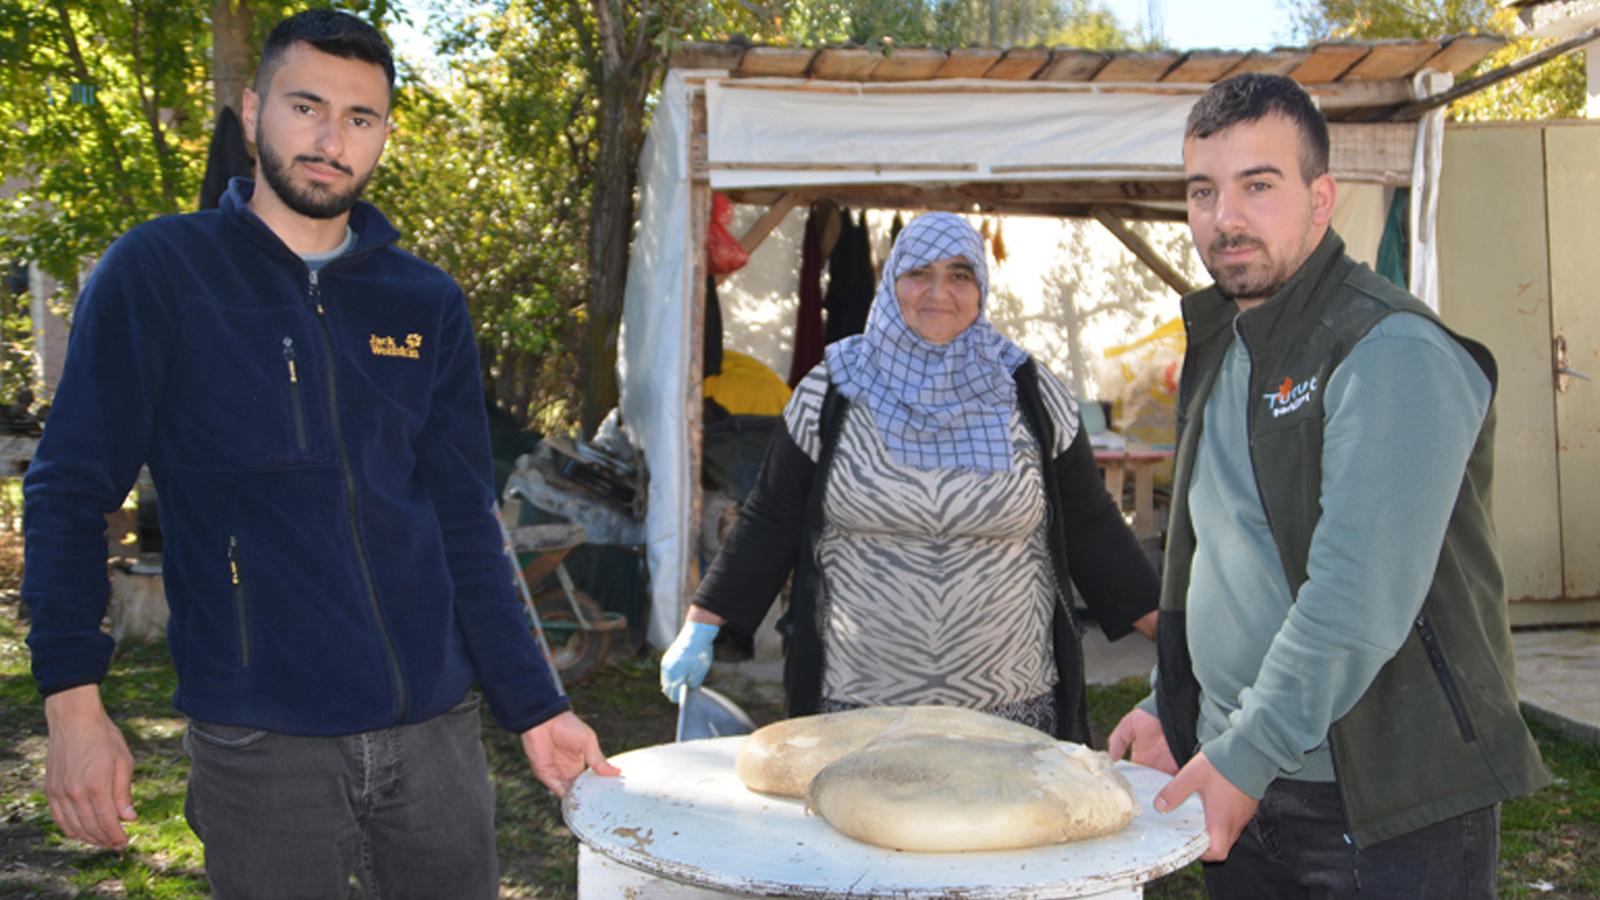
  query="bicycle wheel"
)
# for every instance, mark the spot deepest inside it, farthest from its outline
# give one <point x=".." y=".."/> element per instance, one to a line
<point x="577" y="651"/>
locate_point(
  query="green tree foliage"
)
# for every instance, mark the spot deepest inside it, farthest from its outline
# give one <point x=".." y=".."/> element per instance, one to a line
<point x="938" y="23"/>
<point x="487" y="196"/>
<point x="101" y="121"/>
<point x="105" y="116"/>
<point x="1554" y="90"/>
<point x="567" y="85"/>
<point x="511" y="172"/>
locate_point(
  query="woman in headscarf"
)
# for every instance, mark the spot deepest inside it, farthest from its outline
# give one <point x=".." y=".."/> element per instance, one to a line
<point x="932" y="493"/>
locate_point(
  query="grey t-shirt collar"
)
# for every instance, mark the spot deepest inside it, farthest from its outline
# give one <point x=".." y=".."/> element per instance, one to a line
<point x="315" y="261"/>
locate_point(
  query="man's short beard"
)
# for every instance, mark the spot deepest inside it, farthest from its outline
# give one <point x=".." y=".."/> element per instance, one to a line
<point x="316" y="202"/>
<point x="1235" y="281"/>
<point x="1241" y="289"/>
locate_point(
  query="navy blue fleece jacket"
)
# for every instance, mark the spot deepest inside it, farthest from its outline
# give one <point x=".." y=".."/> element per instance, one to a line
<point x="320" y="448"/>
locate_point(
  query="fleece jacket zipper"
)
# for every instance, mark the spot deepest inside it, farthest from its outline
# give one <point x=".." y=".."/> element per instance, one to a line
<point x="351" y="504"/>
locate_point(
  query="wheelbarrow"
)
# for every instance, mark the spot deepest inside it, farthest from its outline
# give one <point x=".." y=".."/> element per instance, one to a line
<point x="575" y="633"/>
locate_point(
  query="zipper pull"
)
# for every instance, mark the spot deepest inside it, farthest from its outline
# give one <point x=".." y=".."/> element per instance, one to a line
<point x="288" y="357"/>
<point x="316" y="294"/>
<point x="233" y="559"/>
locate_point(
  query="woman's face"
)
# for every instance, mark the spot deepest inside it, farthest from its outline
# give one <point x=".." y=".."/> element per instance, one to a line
<point x="940" y="300"/>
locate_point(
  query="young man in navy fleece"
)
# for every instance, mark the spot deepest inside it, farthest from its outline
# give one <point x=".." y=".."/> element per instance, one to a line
<point x="307" y="397"/>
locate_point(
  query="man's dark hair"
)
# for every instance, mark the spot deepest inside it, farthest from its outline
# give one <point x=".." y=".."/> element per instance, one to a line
<point x="330" y="31"/>
<point x="1252" y="97"/>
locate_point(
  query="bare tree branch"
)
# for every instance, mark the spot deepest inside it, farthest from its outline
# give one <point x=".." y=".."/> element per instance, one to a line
<point x="80" y="71"/>
<point x="580" y="25"/>
<point x="610" y="41"/>
<point x="150" y="103"/>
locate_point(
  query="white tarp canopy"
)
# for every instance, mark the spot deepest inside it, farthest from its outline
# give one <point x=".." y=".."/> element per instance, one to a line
<point x="780" y="133"/>
<point x="771" y="132"/>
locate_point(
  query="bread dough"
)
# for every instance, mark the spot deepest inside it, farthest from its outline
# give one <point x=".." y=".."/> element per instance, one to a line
<point x="783" y="757"/>
<point x="953" y="792"/>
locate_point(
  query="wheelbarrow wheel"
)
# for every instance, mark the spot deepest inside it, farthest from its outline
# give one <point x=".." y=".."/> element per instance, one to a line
<point x="577" y="651"/>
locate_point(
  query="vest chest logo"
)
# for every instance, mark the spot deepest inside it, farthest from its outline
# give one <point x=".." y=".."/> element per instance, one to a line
<point x="1290" y="396"/>
<point x="386" y="346"/>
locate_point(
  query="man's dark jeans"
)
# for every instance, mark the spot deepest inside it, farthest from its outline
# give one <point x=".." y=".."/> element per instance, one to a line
<point x="409" y="811"/>
<point x="1298" y="846"/>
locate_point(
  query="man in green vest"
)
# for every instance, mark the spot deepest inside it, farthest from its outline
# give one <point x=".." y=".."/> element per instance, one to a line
<point x="1334" y="669"/>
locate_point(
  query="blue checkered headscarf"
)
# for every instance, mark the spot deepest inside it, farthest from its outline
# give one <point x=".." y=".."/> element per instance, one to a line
<point x="936" y="407"/>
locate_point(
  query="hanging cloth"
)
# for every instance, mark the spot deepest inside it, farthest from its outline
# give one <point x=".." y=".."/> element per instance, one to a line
<point x="850" y="280"/>
<point x="711" y="350"/>
<point x="227" y="158"/>
<point x="808" y="332"/>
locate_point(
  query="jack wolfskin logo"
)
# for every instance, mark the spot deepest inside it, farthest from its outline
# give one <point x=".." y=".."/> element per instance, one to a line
<point x="1290" y="396"/>
<point x="386" y="346"/>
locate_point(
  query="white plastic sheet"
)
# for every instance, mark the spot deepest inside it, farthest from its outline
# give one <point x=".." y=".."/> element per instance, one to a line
<point x="771" y="132"/>
<point x="655" y="340"/>
<point x="1427" y="163"/>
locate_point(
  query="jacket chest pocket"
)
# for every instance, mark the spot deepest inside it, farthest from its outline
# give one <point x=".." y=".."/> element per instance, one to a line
<point x="248" y="393"/>
<point x="297" y="406"/>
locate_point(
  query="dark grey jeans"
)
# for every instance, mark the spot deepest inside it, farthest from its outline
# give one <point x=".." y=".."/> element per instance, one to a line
<point x="409" y="810"/>
<point x="1297" y="846"/>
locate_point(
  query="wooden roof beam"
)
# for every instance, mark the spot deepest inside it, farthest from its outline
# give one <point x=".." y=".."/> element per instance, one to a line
<point x="1339" y="96"/>
<point x="1201" y="66"/>
<point x="1072" y="64"/>
<point x="1392" y="59"/>
<point x="769" y="220"/>
<point x="910" y="64"/>
<point x="705" y="55"/>
<point x="1278" y="61"/>
<point x="1329" y="61"/>
<point x="775" y="62"/>
<point x="968" y="62"/>
<point x="1019" y="64"/>
<point x="1137" y="66"/>
<point x="1142" y="249"/>
<point x="1464" y="51"/>
<point x="845" y="63"/>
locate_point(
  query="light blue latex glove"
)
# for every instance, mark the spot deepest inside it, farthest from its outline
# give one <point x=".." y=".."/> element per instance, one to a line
<point x="688" y="660"/>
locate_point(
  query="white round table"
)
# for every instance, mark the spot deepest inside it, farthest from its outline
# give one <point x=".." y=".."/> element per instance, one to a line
<point x="679" y="825"/>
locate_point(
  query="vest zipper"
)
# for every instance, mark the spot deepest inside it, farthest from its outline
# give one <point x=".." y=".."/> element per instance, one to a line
<point x="1250" y="421"/>
<point x="238" y="599"/>
<point x="294" y="394"/>
<point x="1447" y="681"/>
<point x="350" y="502"/>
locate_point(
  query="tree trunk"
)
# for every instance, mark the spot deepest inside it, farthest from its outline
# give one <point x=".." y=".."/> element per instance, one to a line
<point x="624" y="84"/>
<point x="232" y="55"/>
<point x="150" y="104"/>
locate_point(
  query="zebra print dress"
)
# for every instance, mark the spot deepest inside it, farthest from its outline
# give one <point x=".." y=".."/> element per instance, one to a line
<point x="939" y="584"/>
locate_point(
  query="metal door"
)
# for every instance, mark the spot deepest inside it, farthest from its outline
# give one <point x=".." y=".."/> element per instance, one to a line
<point x="1572" y="172"/>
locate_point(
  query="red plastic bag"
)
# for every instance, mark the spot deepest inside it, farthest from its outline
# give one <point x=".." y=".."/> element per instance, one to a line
<point x="723" y="253"/>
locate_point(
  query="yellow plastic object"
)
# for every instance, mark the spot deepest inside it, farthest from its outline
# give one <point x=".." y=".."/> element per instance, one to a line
<point x="747" y="387"/>
<point x="1145" y="397"/>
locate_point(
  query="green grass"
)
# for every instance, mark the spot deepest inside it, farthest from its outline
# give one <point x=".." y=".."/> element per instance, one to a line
<point x="1549" y="838"/>
<point x="1552" y="837"/>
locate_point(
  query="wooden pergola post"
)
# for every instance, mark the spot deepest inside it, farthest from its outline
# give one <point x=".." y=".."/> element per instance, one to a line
<point x="694" y="387"/>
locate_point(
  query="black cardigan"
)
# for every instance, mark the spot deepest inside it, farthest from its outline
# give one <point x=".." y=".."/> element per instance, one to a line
<point x="781" y="522"/>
